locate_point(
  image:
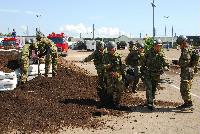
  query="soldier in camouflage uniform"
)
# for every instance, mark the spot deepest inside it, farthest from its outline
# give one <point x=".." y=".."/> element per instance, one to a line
<point x="48" y="49"/>
<point x="25" y="55"/>
<point x="134" y="60"/>
<point x="132" y="46"/>
<point x="187" y="72"/>
<point x="97" y="57"/>
<point x="154" y="65"/>
<point x="113" y="74"/>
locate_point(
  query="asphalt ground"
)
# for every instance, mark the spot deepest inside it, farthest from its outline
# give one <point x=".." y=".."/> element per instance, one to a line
<point x="163" y="120"/>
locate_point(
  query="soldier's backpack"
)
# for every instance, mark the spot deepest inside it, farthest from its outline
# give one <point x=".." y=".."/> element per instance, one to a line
<point x="194" y="58"/>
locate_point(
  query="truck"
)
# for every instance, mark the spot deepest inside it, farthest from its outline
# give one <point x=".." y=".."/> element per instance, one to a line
<point x="9" y="43"/>
<point x="90" y="45"/>
<point x="61" y="44"/>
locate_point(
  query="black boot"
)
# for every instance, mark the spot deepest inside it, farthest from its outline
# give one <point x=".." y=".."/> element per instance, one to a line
<point x="150" y="107"/>
<point x="186" y="105"/>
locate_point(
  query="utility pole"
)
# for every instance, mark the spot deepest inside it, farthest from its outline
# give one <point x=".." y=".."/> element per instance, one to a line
<point x="153" y="5"/>
<point x="166" y="17"/>
<point x="27" y="31"/>
<point x="38" y="16"/>
<point x="8" y="30"/>
<point x="172" y="36"/>
<point x="93" y="32"/>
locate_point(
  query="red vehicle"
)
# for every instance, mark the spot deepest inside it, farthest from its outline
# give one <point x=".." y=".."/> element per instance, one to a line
<point x="9" y="43"/>
<point x="61" y="44"/>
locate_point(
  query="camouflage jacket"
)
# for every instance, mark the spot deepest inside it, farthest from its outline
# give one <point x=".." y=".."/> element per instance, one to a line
<point x="132" y="48"/>
<point x="134" y="58"/>
<point x="187" y="70"/>
<point x="188" y="58"/>
<point x="26" y="52"/>
<point x="112" y="63"/>
<point x="185" y="58"/>
<point x="154" y="63"/>
<point x="45" y="45"/>
<point x="96" y="56"/>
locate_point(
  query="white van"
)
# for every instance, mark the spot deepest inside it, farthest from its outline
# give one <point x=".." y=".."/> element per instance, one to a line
<point x="90" y="45"/>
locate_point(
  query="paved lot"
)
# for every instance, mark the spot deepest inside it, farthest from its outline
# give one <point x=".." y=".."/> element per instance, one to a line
<point x="160" y="121"/>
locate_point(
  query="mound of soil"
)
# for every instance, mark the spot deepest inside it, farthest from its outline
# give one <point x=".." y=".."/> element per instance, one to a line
<point x="48" y="104"/>
<point x="8" y="61"/>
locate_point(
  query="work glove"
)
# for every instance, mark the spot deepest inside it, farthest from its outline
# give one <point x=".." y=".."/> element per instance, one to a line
<point x="107" y="66"/>
<point x="114" y="74"/>
<point x="196" y="69"/>
<point x="166" y="68"/>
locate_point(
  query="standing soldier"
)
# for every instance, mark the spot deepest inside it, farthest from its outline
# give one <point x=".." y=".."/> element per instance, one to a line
<point x="48" y="49"/>
<point x="134" y="60"/>
<point x="97" y="57"/>
<point x="25" y="55"/>
<point x="132" y="46"/>
<point x="154" y="65"/>
<point x="187" y="62"/>
<point x="113" y="74"/>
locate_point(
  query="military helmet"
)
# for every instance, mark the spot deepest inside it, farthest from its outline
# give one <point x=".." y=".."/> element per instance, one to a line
<point x="111" y="45"/>
<point x="131" y="42"/>
<point x="140" y="45"/>
<point x="181" y="39"/>
<point x="100" y="44"/>
<point x="158" y="42"/>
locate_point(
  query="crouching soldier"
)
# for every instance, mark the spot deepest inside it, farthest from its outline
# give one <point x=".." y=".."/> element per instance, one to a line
<point x="134" y="60"/>
<point x="113" y="72"/>
<point x="24" y="58"/>
<point x="48" y="49"/>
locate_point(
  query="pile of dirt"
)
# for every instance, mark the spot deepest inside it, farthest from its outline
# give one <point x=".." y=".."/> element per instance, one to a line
<point x="48" y="104"/>
<point x="8" y="61"/>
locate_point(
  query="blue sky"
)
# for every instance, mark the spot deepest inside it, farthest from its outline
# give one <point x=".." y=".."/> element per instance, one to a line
<point x="111" y="17"/>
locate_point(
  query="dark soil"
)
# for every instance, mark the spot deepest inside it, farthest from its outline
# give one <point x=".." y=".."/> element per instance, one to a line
<point x="48" y="104"/>
<point x="8" y="61"/>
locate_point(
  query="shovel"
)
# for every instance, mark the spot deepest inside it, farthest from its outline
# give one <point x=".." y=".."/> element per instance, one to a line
<point x="39" y="67"/>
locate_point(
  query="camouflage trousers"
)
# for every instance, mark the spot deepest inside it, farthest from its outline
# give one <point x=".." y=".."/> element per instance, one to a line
<point x="151" y="83"/>
<point x="185" y="88"/>
<point x="114" y="87"/>
<point x="100" y="78"/>
<point x="134" y="79"/>
<point x="24" y="69"/>
<point x="51" y="59"/>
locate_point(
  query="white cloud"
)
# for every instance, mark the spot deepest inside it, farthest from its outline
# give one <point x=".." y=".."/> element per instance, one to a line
<point x="79" y="28"/>
<point x="9" y="11"/>
<point x="32" y="13"/>
<point x="23" y="28"/>
<point x="85" y="31"/>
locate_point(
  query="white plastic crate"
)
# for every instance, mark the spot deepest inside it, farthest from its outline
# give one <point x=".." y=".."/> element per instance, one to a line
<point x="33" y="69"/>
<point x="8" y="81"/>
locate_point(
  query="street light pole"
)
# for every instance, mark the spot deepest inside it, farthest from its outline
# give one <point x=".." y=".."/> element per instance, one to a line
<point x="166" y="17"/>
<point x="153" y="5"/>
<point x="38" y="16"/>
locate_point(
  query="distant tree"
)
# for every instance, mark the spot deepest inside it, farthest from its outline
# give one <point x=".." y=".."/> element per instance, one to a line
<point x="148" y="43"/>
